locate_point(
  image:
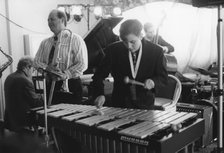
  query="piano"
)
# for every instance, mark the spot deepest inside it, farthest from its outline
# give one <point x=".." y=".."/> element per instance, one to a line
<point x="99" y="37"/>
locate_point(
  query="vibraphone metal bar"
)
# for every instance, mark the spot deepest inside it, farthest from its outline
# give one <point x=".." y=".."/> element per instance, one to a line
<point x="125" y="130"/>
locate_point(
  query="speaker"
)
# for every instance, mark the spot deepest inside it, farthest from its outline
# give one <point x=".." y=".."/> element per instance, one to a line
<point x="205" y="112"/>
<point x="206" y="3"/>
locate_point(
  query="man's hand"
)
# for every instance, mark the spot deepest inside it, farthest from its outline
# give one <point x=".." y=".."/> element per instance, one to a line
<point x="53" y="68"/>
<point x="149" y="84"/>
<point x="56" y="73"/>
<point x="99" y="101"/>
<point x="165" y="49"/>
<point x="60" y="76"/>
<point x="63" y="76"/>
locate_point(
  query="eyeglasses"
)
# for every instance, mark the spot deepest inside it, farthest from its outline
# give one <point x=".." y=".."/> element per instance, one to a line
<point x="31" y="68"/>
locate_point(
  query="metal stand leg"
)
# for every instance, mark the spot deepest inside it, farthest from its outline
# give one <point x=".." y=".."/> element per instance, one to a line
<point x="55" y="139"/>
<point x="51" y="92"/>
<point x="45" y="113"/>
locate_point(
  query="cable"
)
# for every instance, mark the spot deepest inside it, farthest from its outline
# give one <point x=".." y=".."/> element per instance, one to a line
<point x="20" y="25"/>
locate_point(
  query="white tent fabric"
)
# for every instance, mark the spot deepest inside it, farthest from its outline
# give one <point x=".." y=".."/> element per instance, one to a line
<point x="191" y="30"/>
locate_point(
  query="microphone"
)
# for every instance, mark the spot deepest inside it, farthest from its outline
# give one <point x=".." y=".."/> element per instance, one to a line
<point x="130" y="81"/>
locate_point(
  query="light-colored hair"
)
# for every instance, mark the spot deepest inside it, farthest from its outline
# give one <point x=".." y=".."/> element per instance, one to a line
<point x="148" y="25"/>
<point x="62" y="15"/>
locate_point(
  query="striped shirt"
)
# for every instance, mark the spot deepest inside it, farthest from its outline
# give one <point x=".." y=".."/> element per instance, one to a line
<point x="70" y="54"/>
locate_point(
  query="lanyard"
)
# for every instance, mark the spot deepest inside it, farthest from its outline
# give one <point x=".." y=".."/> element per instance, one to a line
<point x="134" y="70"/>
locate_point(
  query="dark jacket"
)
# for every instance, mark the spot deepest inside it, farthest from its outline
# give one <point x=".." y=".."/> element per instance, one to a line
<point x="20" y="97"/>
<point x="116" y="62"/>
<point x="162" y="42"/>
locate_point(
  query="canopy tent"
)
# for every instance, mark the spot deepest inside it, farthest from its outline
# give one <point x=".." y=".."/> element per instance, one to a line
<point x="129" y="4"/>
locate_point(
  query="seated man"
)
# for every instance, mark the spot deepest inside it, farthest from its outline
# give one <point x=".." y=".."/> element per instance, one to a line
<point x="20" y="96"/>
<point x="150" y="35"/>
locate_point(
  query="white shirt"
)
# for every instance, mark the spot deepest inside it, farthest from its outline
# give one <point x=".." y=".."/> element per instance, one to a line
<point x="70" y="54"/>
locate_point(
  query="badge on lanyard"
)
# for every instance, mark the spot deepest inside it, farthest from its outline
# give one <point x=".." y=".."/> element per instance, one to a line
<point x="134" y="71"/>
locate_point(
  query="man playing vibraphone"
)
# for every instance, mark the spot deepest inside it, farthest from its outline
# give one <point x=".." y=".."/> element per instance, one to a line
<point x="137" y="67"/>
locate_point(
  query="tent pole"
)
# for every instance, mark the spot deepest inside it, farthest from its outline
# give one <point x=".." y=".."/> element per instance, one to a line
<point x="220" y="81"/>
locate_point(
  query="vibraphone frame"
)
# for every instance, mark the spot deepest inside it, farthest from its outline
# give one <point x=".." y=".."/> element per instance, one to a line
<point x="102" y="141"/>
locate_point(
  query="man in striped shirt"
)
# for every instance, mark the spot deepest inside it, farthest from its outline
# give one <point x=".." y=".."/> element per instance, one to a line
<point x="64" y="53"/>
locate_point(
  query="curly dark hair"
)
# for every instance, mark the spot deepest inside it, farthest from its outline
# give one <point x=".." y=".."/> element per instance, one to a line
<point x="24" y="62"/>
<point x="131" y="26"/>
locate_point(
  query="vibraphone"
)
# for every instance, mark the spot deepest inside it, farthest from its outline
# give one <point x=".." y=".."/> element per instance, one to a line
<point x="120" y="130"/>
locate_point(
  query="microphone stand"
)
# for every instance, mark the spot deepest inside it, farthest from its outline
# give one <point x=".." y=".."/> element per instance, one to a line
<point x="45" y="111"/>
<point x="46" y="104"/>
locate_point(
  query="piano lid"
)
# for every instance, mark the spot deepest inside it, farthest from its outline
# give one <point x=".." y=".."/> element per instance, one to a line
<point x="99" y="37"/>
